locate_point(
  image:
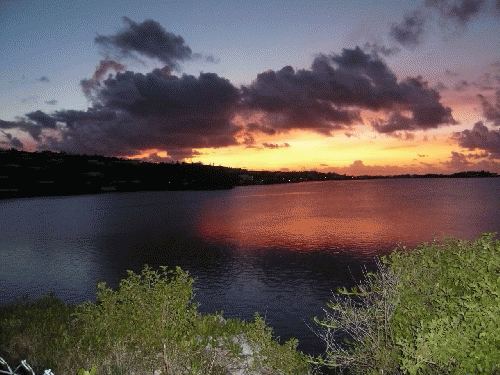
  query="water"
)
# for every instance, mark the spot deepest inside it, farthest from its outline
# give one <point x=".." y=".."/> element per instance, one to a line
<point x="280" y="250"/>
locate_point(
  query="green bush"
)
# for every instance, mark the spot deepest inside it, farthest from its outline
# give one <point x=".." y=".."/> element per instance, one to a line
<point x="38" y="330"/>
<point x="431" y="310"/>
<point x="448" y="318"/>
<point x="149" y="324"/>
<point x="357" y="326"/>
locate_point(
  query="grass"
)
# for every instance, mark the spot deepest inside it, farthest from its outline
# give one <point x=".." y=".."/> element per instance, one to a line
<point x="434" y="309"/>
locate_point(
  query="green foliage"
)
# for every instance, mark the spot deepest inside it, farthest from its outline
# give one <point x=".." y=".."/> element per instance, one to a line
<point x="284" y="359"/>
<point x="149" y="324"/>
<point x="147" y="310"/>
<point x="41" y="326"/>
<point x="431" y="310"/>
<point x="448" y="319"/>
<point x="362" y="318"/>
<point x="85" y="372"/>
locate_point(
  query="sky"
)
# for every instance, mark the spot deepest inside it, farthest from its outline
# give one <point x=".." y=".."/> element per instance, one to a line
<point x="352" y="87"/>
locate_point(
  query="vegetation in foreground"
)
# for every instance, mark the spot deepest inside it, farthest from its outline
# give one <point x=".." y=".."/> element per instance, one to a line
<point x="150" y="325"/>
<point x="430" y="310"/>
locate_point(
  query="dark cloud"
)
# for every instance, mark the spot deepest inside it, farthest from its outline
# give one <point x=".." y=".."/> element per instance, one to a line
<point x="181" y="154"/>
<point x="149" y="39"/>
<point x="12" y="141"/>
<point x="378" y="49"/>
<point x="294" y="100"/>
<point x="42" y="119"/>
<point x="44" y="79"/>
<point x="461" y="11"/>
<point x="155" y="158"/>
<point x="490" y="111"/>
<point x="143" y="112"/>
<point x="51" y="102"/>
<point x="34" y="130"/>
<point x="440" y="86"/>
<point x="482" y="155"/>
<point x="462" y="85"/>
<point x="173" y="155"/>
<point x="275" y="145"/>
<point x="409" y="31"/>
<point x="70" y="117"/>
<point x="452" y="13"/>
<point x="330" y="95"/>
<point x="488" y="82"/>
<point x="480" y="138"/>
<point x="259" y="128"/>
<point x="458" y="162"/>
<point x="185" y="103"/>
<point x="91" y="86"/>
<point x="16" y="143"/>
<point x="406" y="136"/>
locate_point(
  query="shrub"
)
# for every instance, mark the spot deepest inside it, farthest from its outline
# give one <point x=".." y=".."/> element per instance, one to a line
<point x="38" y="330"/>
<point x="149" y="324"/>
<point x="448" y="319"/>
<point x="357" y="327"/>
<point x="431" y="310"/>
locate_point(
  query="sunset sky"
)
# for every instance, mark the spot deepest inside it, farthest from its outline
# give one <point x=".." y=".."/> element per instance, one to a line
<point x="348" y="86"/>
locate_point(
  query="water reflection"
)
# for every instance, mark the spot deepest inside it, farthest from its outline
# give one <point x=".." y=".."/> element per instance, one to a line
<point x="366" y="217"/>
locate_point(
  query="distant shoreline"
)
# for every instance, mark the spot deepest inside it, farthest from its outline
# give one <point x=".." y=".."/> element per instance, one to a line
<point x="42" y="174"/>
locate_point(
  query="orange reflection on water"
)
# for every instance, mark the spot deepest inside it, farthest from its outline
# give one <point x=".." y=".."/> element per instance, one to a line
<point x="306" y="217"/>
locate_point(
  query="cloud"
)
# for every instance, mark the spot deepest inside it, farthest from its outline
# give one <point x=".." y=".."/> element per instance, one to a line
<point x="71" y="117"/>
<point x="378" y="49"/>
<point x="173" y="155"/>
<point x="406" y="136"/>
<point x="409" y="31"/>
<point x="440" y="86"/>
<point x="462" y="85"/>
<point x="155" y="158"/>
<point x="188" y="101"/>
<point x="457" y="162"/>
<point x="181" y="154"/>
<point x="479" y="138"/>
<point x="275" y="145"/>
<point x="488" y="82"/>
<point x="260" y="128"/>
<point x="188" y="111"/>
<point x="329" y="96"/>
<point x="44" y="79"/>
<point x="51" y="102"/>
<point x="490" y="111"/>
<point x="34" y="130"/>
<point x="461" y="11"/>
<point x="149" y="39"/>
<point x="143" y="112"/>
<point x="426" y="115"/>
<point x="42" y="119"/>
<point x="92" y="85"/>
<point x="11" y="141"/>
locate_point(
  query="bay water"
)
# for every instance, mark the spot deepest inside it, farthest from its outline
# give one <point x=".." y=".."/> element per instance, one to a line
<point x="280" y="250"/>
